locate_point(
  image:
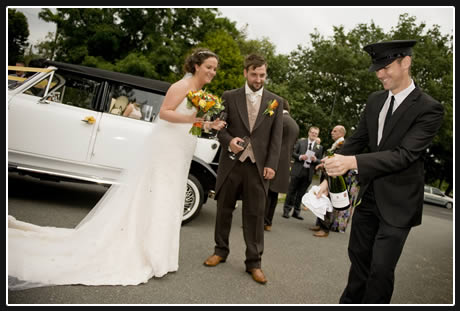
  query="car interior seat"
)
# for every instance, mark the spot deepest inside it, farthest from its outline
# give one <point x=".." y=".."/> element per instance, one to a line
<point x="119" y="105"/>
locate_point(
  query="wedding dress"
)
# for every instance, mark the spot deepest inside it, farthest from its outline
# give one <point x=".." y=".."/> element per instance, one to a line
<point x="130" y="236"/>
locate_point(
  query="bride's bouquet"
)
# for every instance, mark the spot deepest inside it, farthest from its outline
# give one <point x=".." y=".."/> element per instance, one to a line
<point x="207" y="105"/>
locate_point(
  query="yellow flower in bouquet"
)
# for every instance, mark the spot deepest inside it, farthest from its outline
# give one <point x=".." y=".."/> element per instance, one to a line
<point x="207" y="105"/>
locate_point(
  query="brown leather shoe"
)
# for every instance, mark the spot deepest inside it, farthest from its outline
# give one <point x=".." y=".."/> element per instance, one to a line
<point x="267" y="228"/>
<point x="321" y="234"/>
<point x="257" y="275"/>
<point x="315" y="228"/>
<point x="213" y="260"/>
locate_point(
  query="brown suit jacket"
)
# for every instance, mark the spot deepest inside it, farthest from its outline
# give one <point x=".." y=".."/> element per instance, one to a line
<point x="265" y="137"/>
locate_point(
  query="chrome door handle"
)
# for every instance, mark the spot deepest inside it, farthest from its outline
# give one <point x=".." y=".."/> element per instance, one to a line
<point x="89" y="120"/>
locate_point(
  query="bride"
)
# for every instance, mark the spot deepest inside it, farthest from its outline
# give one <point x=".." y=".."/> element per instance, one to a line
<point x="132" y="234"/>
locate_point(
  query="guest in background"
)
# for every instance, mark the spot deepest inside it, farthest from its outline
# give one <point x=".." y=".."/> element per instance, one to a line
<point x="19" y="74"/>
<point x="322" y="227"/>
<point x="280" y="183"/>
<point x="306" y="157"/>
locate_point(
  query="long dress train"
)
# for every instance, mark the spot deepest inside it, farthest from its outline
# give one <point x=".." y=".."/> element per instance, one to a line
<point x="130" y="236"/>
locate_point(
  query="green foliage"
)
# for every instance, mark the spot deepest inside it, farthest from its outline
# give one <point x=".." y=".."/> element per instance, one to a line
<point x="326" y="83"/>
<point x="230" y="72"/>
<point x="18" y="32"/>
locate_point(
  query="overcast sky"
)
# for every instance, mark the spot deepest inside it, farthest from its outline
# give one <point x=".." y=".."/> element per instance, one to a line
<point x="288" y="27"/>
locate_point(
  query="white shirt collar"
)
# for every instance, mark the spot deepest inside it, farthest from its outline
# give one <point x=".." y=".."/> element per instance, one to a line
<point x="251" y="92"/>
<point x="401" y="96"/>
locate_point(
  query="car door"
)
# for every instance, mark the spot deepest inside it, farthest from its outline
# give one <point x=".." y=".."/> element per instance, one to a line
<point x="438" y="196"/>
<point x="427" y="194"/>
<point x="54" y="126"/>
<point x="120" y="134"/>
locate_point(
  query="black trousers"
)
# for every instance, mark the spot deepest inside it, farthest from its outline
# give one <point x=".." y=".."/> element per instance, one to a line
<point x="297" y="188"/>
<point x="374" y="250"/>
<point x="272" y="200"/>
<point x="243" y="181"/>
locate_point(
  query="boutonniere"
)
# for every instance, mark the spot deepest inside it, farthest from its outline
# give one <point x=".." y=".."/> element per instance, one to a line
<point x="336" y="145"/>
<point x="270" y="107"/>
<point x="317" y="146"/>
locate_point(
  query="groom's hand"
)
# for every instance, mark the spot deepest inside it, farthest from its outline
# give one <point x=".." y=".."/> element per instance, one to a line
<point x="234" y="145"/>
<point x="269" y="173"/>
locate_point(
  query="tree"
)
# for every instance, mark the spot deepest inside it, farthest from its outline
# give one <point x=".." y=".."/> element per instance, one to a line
<point x="230" y="71"/>
<point x="328" y="83"/>
<point x="18" y="33"/>
<point x="119" y="37"/>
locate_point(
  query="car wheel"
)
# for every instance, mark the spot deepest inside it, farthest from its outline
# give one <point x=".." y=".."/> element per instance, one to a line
<point x="193" y="199"/>
<point x="449" y="205"/>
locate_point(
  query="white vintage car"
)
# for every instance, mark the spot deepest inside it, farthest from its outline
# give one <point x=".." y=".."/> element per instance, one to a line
<point x="68" y="122"/>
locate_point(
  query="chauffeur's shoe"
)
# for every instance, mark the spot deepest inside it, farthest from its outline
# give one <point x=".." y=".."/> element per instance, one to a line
<point x="257" y="275"/>
<point x="213" y="260"/>
<point x="297" y="216"/>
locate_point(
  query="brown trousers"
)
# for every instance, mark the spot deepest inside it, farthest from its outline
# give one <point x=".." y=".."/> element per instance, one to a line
<point x="242" y="182"/>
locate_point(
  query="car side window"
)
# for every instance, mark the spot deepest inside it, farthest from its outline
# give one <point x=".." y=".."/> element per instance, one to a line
<point x="79" y="91"/>
<point x="130" y="102"/>
<point x="437" y="192"/>
<point x="73" y="90"/>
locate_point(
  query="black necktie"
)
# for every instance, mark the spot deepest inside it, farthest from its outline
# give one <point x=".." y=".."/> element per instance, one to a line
<point x="309" y="146"/>
<point x="389" y="112"/>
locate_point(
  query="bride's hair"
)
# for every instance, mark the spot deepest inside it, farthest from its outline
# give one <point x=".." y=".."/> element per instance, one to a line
<point x="197" y="58"/>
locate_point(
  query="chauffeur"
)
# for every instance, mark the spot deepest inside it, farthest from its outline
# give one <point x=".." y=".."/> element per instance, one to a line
<point x="397" y="126"/>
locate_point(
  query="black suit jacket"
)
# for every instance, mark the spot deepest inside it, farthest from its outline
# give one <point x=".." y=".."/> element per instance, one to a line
<point x="301" y="148"/>
<point x="395" y="166"/>
<point x="265" y="137"/>
<point x="290" y="133"/>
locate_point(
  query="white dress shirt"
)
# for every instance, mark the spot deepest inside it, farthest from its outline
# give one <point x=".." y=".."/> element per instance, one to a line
<point x="251" y="95"/>
<point x="399" y="98"/>
<point x="311" y="144"/>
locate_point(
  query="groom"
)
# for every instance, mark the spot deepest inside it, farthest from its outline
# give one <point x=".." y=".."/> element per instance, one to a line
<point x="252" y="112"/>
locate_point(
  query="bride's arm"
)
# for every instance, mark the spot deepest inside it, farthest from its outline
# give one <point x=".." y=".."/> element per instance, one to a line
<point x="173" y="98"/>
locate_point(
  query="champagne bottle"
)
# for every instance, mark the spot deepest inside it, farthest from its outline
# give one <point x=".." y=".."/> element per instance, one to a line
<point x="338" y="192"/>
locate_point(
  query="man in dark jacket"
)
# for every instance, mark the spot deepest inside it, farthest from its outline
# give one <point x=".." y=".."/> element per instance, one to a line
<point x="306" y="157"/>
<point x="280" y="183"/>
<point x="397" y="126"/>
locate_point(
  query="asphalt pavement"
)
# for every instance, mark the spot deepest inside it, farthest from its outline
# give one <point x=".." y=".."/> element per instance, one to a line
<point x="301" y="269"/>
